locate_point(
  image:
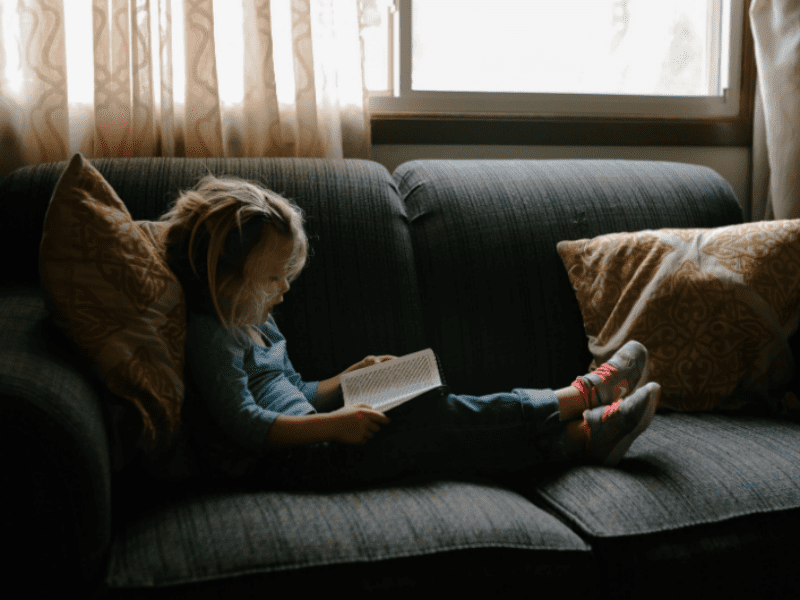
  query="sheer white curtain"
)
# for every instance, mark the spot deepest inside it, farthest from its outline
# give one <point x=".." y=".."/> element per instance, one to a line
<point x="181" y="78"/>
<point x="776" y="134"/>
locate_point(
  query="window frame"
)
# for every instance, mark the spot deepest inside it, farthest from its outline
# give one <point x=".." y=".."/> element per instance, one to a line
<point x="414" y="126"/>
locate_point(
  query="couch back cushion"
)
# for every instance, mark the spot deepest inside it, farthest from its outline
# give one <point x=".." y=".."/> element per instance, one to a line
<point x="358" y="294"/>
<point x="498" y="305"/>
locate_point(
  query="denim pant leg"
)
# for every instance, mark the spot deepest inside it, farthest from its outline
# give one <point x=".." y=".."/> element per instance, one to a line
<point x="497" y="434"/>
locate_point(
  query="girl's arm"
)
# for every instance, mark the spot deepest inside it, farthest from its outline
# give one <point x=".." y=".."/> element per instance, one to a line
<point x="351" y="425"/>
<point x="329" y="395"/>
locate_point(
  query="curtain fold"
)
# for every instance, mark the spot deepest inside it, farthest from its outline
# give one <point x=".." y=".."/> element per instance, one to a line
<point x="776" y="134"/>
<point x="34" y="121"/>
<point x="760" y="208"/>
<point x="161" y="73"/>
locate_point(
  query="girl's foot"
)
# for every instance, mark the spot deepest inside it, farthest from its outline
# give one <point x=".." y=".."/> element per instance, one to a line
<point x="610" y="430"/>
<point x="623" y="374"/>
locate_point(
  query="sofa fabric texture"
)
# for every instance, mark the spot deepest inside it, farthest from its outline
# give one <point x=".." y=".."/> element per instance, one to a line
<point x="270" y="531"/>
<point x="459" y="256"/>
<point x="680" y="477"/>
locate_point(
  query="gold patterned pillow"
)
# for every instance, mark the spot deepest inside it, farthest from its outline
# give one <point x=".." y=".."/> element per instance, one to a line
<point x="108" y="288"/>
<point x="714" y="307"/>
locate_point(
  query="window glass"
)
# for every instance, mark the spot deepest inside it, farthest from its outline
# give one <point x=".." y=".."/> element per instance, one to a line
<point x="641" y="47"/>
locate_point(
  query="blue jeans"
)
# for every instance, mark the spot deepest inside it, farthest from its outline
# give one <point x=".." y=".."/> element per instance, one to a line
<point x="498" y="434"/>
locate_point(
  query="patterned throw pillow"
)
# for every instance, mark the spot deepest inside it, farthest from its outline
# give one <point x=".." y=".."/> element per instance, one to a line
<point x="714" y="307"/>
<point x="154" y="231"/>
<point x="109" y="290"/>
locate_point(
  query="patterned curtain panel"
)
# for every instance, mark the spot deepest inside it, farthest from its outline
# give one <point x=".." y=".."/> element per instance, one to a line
<point x="181" y="78"/>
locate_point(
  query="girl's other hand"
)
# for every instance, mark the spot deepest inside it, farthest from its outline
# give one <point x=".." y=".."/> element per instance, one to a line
<point x="369" y="361"/>
<point x="355" y="424"/>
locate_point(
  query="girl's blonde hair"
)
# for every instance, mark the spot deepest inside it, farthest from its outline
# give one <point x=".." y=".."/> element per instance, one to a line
<point x="212" y="231"/>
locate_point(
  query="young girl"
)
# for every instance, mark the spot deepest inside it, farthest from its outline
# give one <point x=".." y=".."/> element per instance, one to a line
<point x="236" y="247"/>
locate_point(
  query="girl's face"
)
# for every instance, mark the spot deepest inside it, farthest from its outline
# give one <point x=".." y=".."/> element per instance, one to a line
<point x="269" y="266"/>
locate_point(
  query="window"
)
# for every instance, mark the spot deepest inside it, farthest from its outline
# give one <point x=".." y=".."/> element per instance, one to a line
<point x="558" y="60"/>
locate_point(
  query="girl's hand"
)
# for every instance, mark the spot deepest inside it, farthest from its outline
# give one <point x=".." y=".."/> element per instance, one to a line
<point x="329" y="390"/>
<point x="355" y="424"/>
<point x="369" y="361"/>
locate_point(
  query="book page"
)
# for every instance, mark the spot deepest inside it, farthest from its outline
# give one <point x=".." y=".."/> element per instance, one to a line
<point x="391" y="383"/>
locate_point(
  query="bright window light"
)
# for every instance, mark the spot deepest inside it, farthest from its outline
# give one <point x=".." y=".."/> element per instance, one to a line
<point x="178" y="54"/>
<point x="376" y="33"/>
<point x="79" y="35"/>
<point x="229" y="47"/>
<point x="637" y="47"/>
<point x="602" y="47"/>
<point x="80" y="56"/>
<point x="12" y="69"/>
<point x="281" y="16"/>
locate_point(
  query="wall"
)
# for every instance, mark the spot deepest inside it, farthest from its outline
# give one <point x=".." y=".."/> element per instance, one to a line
<point x="733" y="163"/>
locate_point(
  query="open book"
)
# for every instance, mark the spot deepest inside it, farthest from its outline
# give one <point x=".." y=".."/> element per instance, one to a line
<point x="389" y="384"/>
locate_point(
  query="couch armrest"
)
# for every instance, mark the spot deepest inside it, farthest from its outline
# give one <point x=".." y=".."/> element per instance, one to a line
<point x="57" y="477"/>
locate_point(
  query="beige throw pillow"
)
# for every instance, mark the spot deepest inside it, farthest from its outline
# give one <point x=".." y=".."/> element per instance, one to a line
<point x="110" y="291"/>
<point x="714" y="307"/>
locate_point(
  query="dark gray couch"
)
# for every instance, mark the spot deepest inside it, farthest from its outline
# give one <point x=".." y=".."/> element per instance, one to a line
<point x="456" y="255"/>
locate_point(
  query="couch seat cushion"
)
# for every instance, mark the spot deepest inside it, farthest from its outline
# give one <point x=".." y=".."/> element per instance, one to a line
<point x="229" y="533"/>
<point x="685" y="470"/>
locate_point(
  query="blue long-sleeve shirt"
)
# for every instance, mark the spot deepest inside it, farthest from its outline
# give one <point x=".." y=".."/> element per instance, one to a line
<point x="243" y="387"/>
